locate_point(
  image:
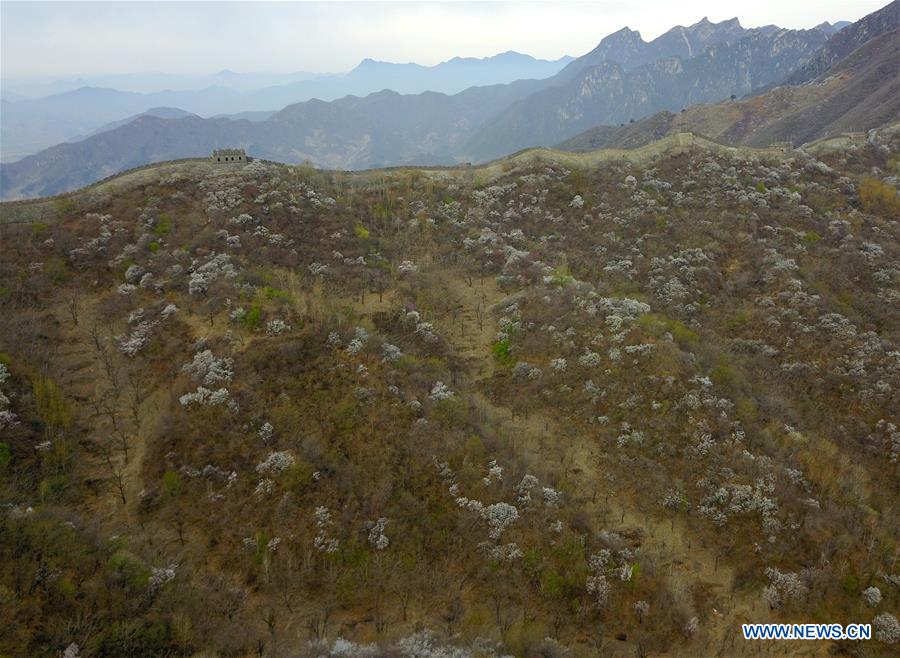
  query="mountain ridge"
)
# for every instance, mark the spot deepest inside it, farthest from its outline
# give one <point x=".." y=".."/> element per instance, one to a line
<point x="478" y="124"/>
<point x="32" y="124"/>
<point x="857" y="93"/>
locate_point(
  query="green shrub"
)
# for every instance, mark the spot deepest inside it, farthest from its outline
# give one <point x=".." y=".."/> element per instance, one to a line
<point x="657" y="324"/>
<point x="345" y="414"/>
<point x="163" y="225"/>
<point x="850" y="584"/>
<point x="475" y="449"/>
<point x="562" y="276"/>
<point x="361" y="232"/>
<point x="57" y="270"/>
<point x="746" y="410"/>
<point x="736" y="321"/>
<point x="253" y="318"/>
<point x="684" y="336"/>
<point x="170" y="483"/>
<point x="53" y="488"/>
<point x="64" y="206"/>
<point x="450" y="412"/>
<point x="724" y="375"/>
<point x="130" y="569"/>
<point x="879" y="198"/>
<point x="52" y="406"/>
<point x="298" y="476"/>
<point x="276" y="294"/>
<point x="502" y="351"/>
<point x="811" y="237"/>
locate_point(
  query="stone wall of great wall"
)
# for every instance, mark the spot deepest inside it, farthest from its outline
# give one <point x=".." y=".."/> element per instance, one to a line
<point x="46" y="208"/>
<point x="670" y="145"/>
<point x="35" y="210"/>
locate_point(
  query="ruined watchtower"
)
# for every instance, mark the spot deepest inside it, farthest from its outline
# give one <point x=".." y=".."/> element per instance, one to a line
<point x="228" y="155"/>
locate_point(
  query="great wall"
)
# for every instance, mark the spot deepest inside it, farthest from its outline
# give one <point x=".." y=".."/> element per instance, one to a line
<point x="46" y="208"/>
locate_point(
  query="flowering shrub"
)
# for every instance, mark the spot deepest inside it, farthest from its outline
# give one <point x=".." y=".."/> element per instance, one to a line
<point x="204" y="274"/>
<point x="440" y="391"/>
<point x="209" y="370"/>
<point x="277" y="327"/>
<point x="887" y="628"/>
<point x="275" y="464"/>
<point x="208" y="398"/>
<point x="499" y="517"/>
<point x="376" y="535"/>
<point x="138" y="339"/>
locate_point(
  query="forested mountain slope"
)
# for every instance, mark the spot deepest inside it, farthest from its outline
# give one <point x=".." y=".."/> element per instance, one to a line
<point x="521" y="410"/>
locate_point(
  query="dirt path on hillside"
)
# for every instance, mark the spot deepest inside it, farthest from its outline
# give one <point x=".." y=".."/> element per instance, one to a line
<point x="543" y="439"/>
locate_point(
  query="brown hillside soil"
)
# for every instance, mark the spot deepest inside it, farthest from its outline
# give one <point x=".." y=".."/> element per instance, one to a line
<point x="541" y="437"/>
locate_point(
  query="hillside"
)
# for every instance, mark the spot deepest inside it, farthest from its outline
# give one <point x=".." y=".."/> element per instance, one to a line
<point x="161" y="112"/>
<point x="859" y="93"/>
<point x="847" y="40"/>
<point x="561" y="405"/>
<point x="610" y="94"/>
<point x="628" y="48"/>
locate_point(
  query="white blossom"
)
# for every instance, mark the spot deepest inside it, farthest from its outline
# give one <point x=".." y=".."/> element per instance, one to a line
<point x="275" y="463"/>
<point x="499" y="516"/>
<point x="598" y="586"/>
<point x="209" y="370"/>
<point x="872" y="596"/>
<point x="160" y="576"/>
<point x="641" y="608"/>
<point x="266" y="432"/>
<point x="138" y="339"/>
<point x="495" y="472"/>
<point x="691" y="626"/>
<point x="440" y="391"/>
<point x="203" y="275"/>
<point x="168" y="311"/>
<point x="376" y="535"/>
<point x="265" y="486"/>
<point x="390" y="352"/>
<point x="277" y="327"/>
<point x="887" y="628"/>
<point x="589" y="359"/>
<point x="206" y="397"/>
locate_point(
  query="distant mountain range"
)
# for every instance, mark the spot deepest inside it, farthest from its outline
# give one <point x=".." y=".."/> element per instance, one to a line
<point x="623" y="79"/>
<point x="161" y="112"/>
<point x="145" y="83"/>
<point x="30" y="125"/>
<point x="736" y="63"/>
<point x="858" y="92"/>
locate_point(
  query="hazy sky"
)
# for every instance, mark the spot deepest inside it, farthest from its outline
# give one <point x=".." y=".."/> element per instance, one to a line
<point x="56" y="38"/>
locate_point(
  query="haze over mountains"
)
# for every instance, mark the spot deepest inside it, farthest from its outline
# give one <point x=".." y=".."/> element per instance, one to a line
<point x="623" y="79"/>
<point x="30" y="125"/>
